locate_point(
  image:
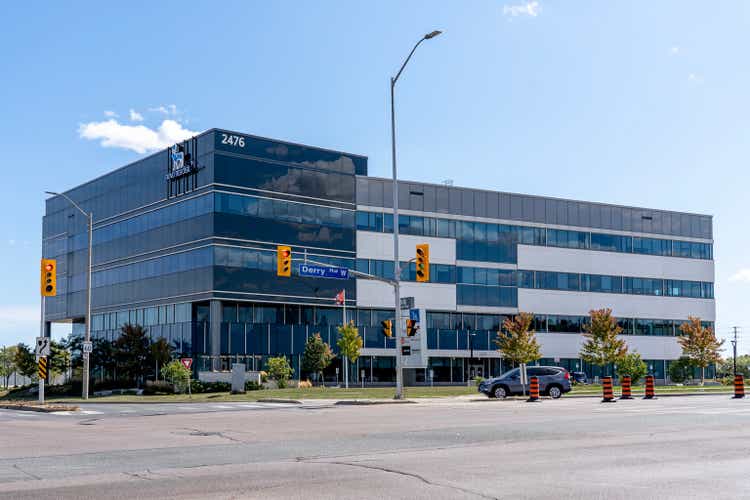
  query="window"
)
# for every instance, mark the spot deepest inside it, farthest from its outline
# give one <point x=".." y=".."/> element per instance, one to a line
<point x="651" y="246"/>
<point x="600" y="283"/>
<point x="611" y="242"/>
<point x="557" y="281"/>
<point x="567" y="239"/>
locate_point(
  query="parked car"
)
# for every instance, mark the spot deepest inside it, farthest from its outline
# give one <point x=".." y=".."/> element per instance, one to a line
<point x="554" y="381"/>
<point x="579" y="377"/>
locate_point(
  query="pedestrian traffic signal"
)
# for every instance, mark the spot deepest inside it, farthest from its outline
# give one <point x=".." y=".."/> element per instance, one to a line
<point x="49" y="278"/>
<point x="411" y="327"/>
<point x="283" y="261"/>
<point x="387" y="327"/>
<point x="423" y="263"/>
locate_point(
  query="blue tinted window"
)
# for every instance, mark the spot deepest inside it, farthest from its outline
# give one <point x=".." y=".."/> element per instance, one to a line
<point x="611" y="242"/>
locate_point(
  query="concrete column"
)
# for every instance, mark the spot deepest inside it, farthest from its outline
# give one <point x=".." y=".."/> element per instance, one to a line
<point x="215" y="333"/>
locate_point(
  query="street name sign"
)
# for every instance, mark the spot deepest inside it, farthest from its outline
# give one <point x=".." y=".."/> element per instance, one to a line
<point x="310" y="270"/>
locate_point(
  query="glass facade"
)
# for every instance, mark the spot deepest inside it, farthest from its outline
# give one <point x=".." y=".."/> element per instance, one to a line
<point x="481" y="241"/>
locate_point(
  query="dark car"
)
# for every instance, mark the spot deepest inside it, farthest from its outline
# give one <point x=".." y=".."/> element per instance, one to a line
<point x="554" y="381"/>
<point x="579" y="377"/>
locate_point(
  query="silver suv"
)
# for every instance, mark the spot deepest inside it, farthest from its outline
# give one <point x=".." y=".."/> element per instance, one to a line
<point x="554" y="381"/>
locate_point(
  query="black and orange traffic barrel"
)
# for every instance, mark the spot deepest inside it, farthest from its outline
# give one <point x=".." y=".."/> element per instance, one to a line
<point x="739" y="387"/>
<point x="626" y="392"/>
<point x="533" y="390"/>
<point x="650" y="394"/>
<point x="608" y="395"/>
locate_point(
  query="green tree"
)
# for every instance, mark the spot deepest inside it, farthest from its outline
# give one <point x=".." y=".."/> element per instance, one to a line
<point x="317" y="355"/>
<point x="132" y="353"/>
<point x="602" y="346"/>
<point x="7" y="363"/>
<point x="103" y="358"/>
<point x="349" y="344"/>
<point x="700" y="344"/>
<point x="161" y="354"/>
<point x="681" y="370"/>
<point x="727" y="366"/>
<point x="631" y="364"/>
<point x="279" y="370"/>
<point x="517" y="340"/>
<point x="58" y="362"/>
<point x="25" y="361"/>
<point x="176" y="374"/>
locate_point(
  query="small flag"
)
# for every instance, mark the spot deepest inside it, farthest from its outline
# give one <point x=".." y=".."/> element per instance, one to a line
<point x="341" y="297"/>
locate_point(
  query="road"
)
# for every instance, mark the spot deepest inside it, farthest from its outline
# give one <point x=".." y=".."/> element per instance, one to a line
<point x="679" y="447"/>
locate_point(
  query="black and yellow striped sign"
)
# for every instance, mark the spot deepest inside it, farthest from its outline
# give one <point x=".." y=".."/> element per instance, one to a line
<point x="43" y="368"/>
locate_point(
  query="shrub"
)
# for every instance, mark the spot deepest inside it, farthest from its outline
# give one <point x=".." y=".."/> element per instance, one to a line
<point x="252" y="385"/>
<point x="279" y="370"/>
<point x="304" y="384"/>
<point x="631" y="364"/>
<point x="263" y="377"/>
<point x="681" y="370"/>
<point x="199" y="387"/>
<point x="478" y="380"/>
<point x="158" y="387"/>
<point x="176" y="373"/>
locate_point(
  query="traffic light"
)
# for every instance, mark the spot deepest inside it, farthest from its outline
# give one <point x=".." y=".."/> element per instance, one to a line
<point x="411" y="327"/>
<point x="387" y="327"/>
<point x="283" y="261"/>
<point x="423" y="263"/>
<point x="49" y="278"/>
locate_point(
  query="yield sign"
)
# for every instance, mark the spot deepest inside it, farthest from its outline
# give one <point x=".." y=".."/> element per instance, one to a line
<point x="187" y="362"/>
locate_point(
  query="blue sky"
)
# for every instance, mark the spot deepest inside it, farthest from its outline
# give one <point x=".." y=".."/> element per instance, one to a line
<point x="636" y="103"/>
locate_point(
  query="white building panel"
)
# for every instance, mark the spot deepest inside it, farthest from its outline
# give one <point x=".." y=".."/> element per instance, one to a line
<point x="380" y="246"/>
<point x="433" y="296"/>
<point x="622" y="264"/>
<point x="566" y="345"/>
<point x="624" y="306"/>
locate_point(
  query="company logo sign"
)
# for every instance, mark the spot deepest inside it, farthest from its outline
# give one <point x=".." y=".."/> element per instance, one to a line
<point x="181" y="163"/>
<point x="178" y="158"/>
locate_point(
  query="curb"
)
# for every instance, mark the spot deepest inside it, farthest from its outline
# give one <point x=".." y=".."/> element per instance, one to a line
<point x="366" y="402"/>
<point x="276" y="400"/>
<point x="38" y="409"/>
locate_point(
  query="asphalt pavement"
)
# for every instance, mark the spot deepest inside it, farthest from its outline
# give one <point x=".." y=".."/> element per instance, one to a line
<point x="680" y="447"/>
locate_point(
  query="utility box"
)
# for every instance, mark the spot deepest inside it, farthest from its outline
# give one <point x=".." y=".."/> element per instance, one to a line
<point x="238" y="378"/>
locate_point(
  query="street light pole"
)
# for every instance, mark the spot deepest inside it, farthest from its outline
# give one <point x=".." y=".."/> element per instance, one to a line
<point x="90" y="222"/>
<point x="396" y="263"/>
<point x="734" y="351"/>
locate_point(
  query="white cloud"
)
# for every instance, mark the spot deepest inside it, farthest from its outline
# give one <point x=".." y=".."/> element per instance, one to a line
<point x="110" y="114"/>
<point x="138" y="138"/>
<point x="674" y="50"/>
<point x="169" y="110"/>
<point x="741" y="275"/>
<point x="135" y="116"/>
<point x="531" y="8"/>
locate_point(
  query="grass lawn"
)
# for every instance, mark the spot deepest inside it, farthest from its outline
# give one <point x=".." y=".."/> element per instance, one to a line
<point x="311" y="393"/>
